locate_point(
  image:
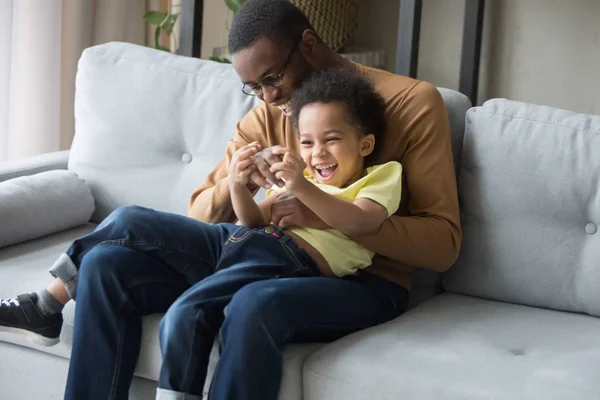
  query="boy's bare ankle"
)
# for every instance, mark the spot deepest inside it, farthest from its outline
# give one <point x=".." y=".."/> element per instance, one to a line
<point x="58" y="291"/>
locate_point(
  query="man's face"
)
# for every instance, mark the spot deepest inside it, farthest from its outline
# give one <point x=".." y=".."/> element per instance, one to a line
<point x="263" y="63"/>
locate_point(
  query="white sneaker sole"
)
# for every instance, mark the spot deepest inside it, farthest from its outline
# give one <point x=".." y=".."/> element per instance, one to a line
<point x="31" y="336"/>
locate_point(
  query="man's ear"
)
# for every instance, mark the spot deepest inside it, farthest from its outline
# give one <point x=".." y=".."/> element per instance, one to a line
<point x="367" y="144"/>
<point x="309" y="42"/>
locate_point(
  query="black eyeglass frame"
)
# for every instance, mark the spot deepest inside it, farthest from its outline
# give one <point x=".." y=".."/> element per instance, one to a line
<point x="276" y="80"/>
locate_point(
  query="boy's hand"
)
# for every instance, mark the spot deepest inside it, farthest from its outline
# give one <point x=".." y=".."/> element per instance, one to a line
<point x="290" y="169"/>
<point x="242" y="165"/>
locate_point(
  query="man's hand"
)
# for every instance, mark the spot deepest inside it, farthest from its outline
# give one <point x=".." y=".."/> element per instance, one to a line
<point x="287" y="211"/>
<point x="262" y="175"/>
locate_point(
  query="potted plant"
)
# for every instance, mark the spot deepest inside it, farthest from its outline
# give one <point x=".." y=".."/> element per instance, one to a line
<point x="164" y="22"/>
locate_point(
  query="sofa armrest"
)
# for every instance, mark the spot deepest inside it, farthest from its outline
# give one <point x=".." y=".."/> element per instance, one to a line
<point x="33" y="165"/>
<point x="41" y="204"/>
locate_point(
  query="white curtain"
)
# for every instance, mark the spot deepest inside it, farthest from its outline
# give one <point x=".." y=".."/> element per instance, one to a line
<point x="40" y="43"/>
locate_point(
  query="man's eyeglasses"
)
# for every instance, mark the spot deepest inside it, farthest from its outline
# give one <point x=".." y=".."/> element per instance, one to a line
<point x="271" y="80"/>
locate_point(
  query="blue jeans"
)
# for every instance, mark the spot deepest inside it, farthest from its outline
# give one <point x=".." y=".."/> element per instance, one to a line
<point x="140" y="262"/>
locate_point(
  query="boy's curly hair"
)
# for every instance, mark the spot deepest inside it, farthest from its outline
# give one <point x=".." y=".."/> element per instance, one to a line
<point x="365" y="108"/>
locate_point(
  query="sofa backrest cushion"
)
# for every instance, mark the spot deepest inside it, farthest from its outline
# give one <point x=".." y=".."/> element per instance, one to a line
<point x="149" y="125"/>
<point x="457" y="105"/>
<point x="529" y="186"/>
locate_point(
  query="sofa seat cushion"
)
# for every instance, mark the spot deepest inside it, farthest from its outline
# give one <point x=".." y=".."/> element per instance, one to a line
<point x="149" y="361"/>
<point x="459" y="347"/>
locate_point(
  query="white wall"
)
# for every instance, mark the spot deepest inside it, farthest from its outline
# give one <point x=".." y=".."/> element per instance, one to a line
<point x="216" y="16"/>
<point x="539" y="51"/>
<point x="543" y="51"/>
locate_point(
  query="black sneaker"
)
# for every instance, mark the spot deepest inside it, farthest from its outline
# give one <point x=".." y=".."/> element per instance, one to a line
<point x="21" y="316"/>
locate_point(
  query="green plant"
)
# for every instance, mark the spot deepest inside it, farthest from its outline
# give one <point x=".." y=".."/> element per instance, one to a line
<point x="220" y="59"/>
<point x="234" y="5"/>
<point x="164" y="21"/>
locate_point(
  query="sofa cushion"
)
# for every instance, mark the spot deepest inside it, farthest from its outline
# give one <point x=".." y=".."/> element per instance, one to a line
<point x="457" y="105"/>
<point x="529" y="186"/>
<point x="30" y="374"/>
<point x="150" y="125"/>
<point x="37" y="205"/>
<point x="455" y="347"/>
<point x="150" y="359"/>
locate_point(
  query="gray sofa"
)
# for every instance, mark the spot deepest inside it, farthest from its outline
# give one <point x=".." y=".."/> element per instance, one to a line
<point x="518" y="318"/>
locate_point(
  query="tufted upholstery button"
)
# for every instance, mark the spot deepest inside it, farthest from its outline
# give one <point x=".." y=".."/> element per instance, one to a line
<point x="591" y="228"/>
<point x="186" y="158"/>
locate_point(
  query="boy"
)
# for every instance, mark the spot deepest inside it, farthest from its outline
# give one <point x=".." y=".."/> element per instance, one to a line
<point x="338" y="117"/>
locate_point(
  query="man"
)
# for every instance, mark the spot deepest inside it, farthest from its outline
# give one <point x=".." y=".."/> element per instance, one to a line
<point x="274" y="48"/>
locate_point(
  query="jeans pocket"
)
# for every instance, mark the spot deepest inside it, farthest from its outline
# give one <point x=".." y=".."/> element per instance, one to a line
<point x="239" y="235"/>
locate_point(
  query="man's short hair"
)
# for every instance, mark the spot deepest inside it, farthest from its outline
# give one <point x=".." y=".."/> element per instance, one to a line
<point x="279" y="20"/>
<point x="365" y="108"/>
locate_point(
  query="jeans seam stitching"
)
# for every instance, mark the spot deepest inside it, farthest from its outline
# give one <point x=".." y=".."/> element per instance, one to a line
<point x="227" y="243"/>
<point x="192" y="352"/>
<point x="223" y="252"/>
<point x="114" y="384"/>
<point x="297" y="262"/>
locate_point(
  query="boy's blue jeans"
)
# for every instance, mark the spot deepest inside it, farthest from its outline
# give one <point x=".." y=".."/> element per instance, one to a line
<point x="140" y="261"/>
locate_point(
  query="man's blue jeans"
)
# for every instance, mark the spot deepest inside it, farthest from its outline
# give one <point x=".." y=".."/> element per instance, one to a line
<point x="140" y="261"/>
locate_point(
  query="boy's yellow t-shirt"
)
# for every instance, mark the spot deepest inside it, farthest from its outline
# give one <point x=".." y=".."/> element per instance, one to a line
<point x="382" y="184"/>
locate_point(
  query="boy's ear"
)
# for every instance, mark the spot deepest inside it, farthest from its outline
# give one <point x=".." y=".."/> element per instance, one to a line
<point x="367" y="144"/>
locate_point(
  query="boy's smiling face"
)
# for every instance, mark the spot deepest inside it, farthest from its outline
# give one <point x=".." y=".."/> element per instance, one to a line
<point x="331" y="146"/>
